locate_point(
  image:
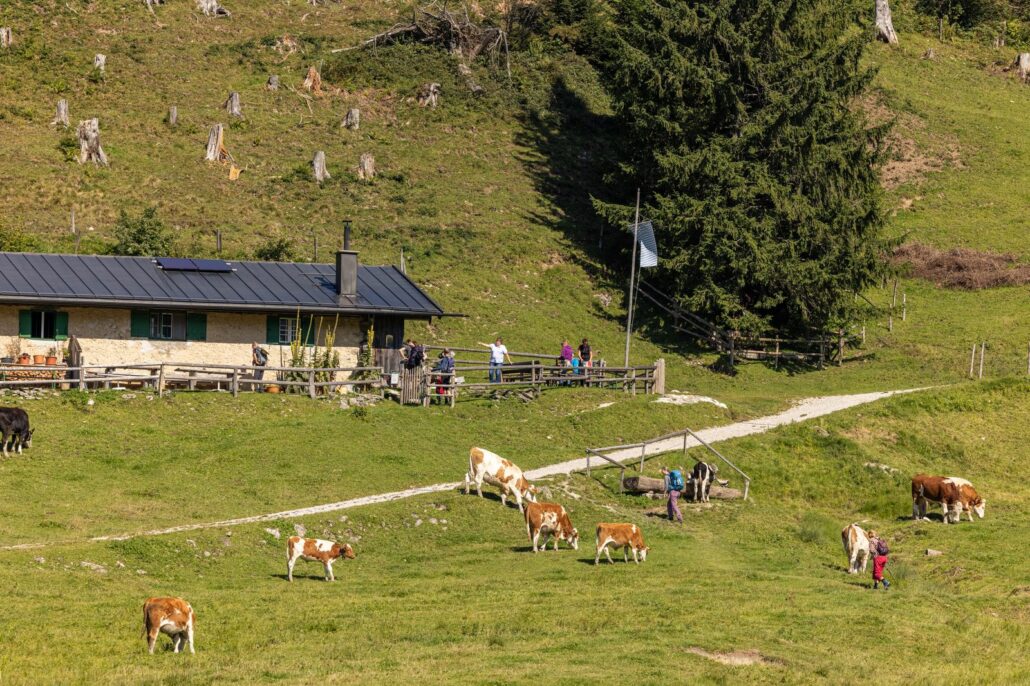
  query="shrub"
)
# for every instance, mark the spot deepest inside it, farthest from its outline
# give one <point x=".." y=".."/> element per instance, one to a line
<point x="276" y="250"/>
<point x="144" y="235"/>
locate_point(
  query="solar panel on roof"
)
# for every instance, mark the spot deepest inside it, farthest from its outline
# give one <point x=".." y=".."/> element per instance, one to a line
<point x="212" y="266"/>
<point x="176" y="264"/>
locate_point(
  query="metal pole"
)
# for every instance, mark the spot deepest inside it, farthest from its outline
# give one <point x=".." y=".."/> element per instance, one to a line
<point x="632" y="276"/>
<point x="643" y="448"/>
<point x="983" y="346"/>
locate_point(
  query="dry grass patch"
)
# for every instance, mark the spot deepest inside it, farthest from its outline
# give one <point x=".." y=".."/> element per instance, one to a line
<point x="962" y="267"/>
<point x="737" y="658"/>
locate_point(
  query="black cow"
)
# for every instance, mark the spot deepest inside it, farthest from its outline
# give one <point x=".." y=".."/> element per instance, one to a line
<point x="14" y="428"/>
<point x="701" y="481"/>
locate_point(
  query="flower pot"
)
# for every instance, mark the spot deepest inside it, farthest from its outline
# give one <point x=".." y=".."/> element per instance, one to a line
<point x="24" y="359"/>
<point x="271" y="388"/>
<point x="38" y="359"/>
<point x="51" y="360"/>
<point x="6" y="360"/>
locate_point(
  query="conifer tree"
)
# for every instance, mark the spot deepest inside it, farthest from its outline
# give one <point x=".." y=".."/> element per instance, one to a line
<point x="741" y="126"/>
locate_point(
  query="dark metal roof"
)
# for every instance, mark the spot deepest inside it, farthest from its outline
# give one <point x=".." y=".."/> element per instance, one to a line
<point x="94" y="280"/>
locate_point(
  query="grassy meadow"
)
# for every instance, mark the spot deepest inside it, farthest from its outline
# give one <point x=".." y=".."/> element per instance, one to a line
<point x="444" y="588"/>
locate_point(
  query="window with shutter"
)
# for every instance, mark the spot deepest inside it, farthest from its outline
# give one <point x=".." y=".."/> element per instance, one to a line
<point x="61" y="326"/>
<point x="272" y="330"/>
<point x="25" y="323"/>
<point x="140" y="324"/>
<point x="196" y="326"/>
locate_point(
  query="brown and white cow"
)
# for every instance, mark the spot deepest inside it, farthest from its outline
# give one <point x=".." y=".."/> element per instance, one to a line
<point x="315" y="550"/>
<point x="625" y="536"/>
<point x="857" y="545"/>
<point x="171" y="616"/>
<point x="497" y="471"/>
<point x="550" y="519"/>
<point x="954" y="494"/>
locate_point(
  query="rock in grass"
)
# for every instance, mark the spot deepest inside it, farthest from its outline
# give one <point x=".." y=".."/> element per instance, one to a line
<point x="930" y="552"/>
<point x="100" y="569"/>
<point x="273" y="532"/>
<point x="300" y="529"/>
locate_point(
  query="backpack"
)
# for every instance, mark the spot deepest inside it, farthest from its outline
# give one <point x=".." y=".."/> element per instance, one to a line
<point x="881" y="547"/>
<point x="676" y="480"/>
<point x="416" y="356"/>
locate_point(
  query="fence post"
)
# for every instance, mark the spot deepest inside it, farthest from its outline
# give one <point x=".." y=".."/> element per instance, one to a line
<point x="904" y="306"/>
<point x="983" y="346"/>
<point x="622" y="480"/>
<point x="840" y="347"/>
<point x="659" y="376"/>
<point x="972" y="361"/>
<point x="643" y="449"/>
<point x="236" y="382"/>
<point x="747" y="487"/>
<point x="311" y="383"/>
<point x="160" y="380"/>
<point x="588" y="464"/>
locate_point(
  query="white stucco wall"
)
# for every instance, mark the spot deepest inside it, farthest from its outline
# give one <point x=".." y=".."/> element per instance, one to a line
<point x="104" y="336"/>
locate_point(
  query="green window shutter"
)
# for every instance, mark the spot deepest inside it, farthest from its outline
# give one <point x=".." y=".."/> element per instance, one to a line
<point x="140" y="324"/>
<point x="196" y="326"/>
<point x="307" y="330"/>
<point x="272" y="332"/>
<point x="61" y="326"/>
<point x="25" y="323"/>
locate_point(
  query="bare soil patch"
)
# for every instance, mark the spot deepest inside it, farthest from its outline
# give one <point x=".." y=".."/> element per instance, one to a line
<point x="909" y="161"/>
<point x="962" y="267"/>
<point x="737" y="658"/>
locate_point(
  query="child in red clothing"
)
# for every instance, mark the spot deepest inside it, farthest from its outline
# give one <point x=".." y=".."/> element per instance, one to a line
<point x="881" y="551"/>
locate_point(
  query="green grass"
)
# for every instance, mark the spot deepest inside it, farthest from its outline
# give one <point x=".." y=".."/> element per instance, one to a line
<point x="464" y="601"/>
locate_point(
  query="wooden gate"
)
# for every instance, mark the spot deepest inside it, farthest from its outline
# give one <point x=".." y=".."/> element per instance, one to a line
<point x="413" y="386"/>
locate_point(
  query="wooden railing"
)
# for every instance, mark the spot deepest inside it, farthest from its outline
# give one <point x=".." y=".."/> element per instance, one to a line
<point x="192" y="376"/>
<point x="685" y="434"/>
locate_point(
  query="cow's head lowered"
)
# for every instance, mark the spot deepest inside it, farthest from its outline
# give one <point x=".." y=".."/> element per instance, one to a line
<point x="573" y="538"/>
<point x="979" y="506"/>
<point x="26" y="440"/>
<point x="527" y="489"/>
<point x="344" y="551"/>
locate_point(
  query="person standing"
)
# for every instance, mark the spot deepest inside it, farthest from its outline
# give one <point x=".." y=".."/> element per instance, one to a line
<point x="258" y="358"/>
<point x="498" y="354"/>
<point x="584" y="353"/>
<point x="566" y="353"/>
<point x="673" y="487"/>
<point x="881" y="551"/>
<point x="445" y="371"/>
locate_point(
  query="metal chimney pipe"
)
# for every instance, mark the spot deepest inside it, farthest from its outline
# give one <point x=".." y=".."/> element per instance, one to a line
<point x="346" y="234"/>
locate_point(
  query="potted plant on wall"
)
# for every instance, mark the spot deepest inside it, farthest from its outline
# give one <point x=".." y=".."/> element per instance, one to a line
<point x="51" y="357"/>
<point x="13" y="351"/>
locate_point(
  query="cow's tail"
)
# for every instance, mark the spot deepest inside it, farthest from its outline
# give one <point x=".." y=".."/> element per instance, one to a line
<point x="146" y="622"/>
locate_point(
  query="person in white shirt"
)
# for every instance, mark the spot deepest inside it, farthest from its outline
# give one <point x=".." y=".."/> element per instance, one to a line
<point x="498" y="354"/>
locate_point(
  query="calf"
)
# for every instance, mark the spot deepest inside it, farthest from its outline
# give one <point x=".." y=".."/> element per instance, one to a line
<point x="550" y="519"/>
<point x="14" y="428"/>
<point x="315" y="550"/>
<point x="172" y="616"/>
<point x="969" y="500"/>
<point x="494" y="469"/>
<point x="857" y="545"/>
<point x="625" y="536"/>
<point x="701" y="481"/>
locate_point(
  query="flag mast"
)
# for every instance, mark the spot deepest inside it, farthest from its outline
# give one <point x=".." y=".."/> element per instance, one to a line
<point x="632" y="277"/>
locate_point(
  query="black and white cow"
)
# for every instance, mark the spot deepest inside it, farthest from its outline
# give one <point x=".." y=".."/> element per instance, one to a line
<point x="701" y="481"/>
<point x="14" y="428"/>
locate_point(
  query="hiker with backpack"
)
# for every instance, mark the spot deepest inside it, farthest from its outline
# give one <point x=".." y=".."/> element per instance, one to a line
<point x="880" y="551"/>
<point x="674" y="485"/>
<point x="416" y="355"/>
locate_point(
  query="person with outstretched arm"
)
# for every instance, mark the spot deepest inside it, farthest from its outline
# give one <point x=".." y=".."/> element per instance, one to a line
<point x="673" y="487"/>
<point x="498" y="354"/>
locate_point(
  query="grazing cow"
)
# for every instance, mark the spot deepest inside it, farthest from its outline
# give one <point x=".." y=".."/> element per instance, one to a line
<point x="857" y="545"/>
<point x="495" y="470"/>
<point x="550" y="519"/>
<point x="172" y="616"/>
<point x="954" y="494"/>
<point x="14" y="428"/>
<point x="315" y="550"/>
<point x="701" y="481"/>
<point x="625" y="536"/>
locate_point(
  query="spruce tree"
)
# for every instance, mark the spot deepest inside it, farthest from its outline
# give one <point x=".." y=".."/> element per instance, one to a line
<point x="741" y="126"/>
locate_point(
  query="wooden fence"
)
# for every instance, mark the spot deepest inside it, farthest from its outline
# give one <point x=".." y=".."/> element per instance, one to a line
<point x="190" y="376"/>
<point x="685" y="434"/>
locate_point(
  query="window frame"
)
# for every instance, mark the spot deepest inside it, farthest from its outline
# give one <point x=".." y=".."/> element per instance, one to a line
<point x="35" y="324"/>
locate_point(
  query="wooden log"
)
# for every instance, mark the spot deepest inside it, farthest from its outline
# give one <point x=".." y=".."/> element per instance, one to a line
<point x="89" y="143"/>
<point x="173" y="115"/>
<point x="884" y="23"/>
<point x="313" y="81"/>
<point x="318" y="164"/>
<point x="100" y="62"/>
<point x="353" y="119"/>
<point x="273" y="82"/>
<point x="366" y="167"/>
<point x="645" y="484"/>
<point x="61" y="118"/>
<point x="232" y="105"/>
<point x="212" y="8"/>
<point x="929" y="54"/>
<point x="470" y="80"/>
<point x="428" y="94"/>
<point x="1023" y="65"/>
<point x="216" y="150"/>
<point x="6" y="37"/>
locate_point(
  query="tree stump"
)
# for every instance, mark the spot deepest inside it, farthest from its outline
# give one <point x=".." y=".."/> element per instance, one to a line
<point x="100" y="62"/>
<point x="211" y="8"/>
<point x="476" y="89"/>
<point x="232" y="105"/>
<point x="428" y="94"/>
<point x="353" y="119"/>
<point x="929" y="54"/>
<point x="313" y="81"/>
<point x="884" y="23"/>
<point x="6" y="37"/>
<point x="318" y="164"/>
<point x="216" y="150"/>
<point x="1023" y="65"/>
<point x="89" y="143"/>
<point x="273" y="82"/>
<point x="61" y="118"/>
<point x="366" y="167"/>
<point x="173" y="115"/>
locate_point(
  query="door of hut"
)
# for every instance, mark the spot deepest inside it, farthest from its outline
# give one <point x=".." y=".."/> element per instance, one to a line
<point x="387" y="342"/>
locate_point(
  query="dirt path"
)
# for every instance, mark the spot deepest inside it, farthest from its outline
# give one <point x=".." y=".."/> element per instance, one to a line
<point x="806" y="409"/>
